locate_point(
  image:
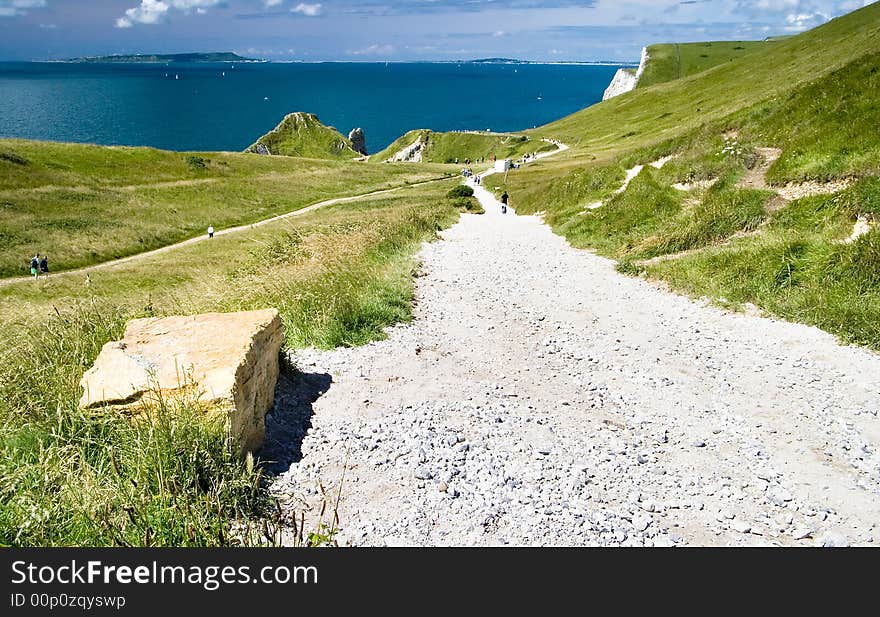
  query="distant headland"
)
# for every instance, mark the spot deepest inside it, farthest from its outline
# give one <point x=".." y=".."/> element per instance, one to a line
<point x="226" y="56"/>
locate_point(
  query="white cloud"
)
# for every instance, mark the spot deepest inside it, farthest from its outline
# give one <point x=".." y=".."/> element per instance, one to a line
<point x="271" y="3"/>
<point x="801" y="21"/>
<point x="11" y="8"/>
<point x="309" y="10"/>
<point x="374" y="50"/>
<point x="155" y="11"/>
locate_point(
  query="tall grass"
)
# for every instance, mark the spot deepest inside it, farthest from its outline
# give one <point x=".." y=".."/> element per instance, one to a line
<point x="799" y="267"/>
<point x="169" y="478"/>
<point x="74" y="477"/>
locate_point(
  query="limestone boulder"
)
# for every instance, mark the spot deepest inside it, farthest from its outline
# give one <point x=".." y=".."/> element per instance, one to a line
<point x="228" y="361"/>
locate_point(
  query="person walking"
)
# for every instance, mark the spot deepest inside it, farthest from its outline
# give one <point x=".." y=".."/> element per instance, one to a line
<point x="35" y="266"/>
<point x="505" y="198"/>
<point x="44" y="265"/>
<point x="210" y="231"/>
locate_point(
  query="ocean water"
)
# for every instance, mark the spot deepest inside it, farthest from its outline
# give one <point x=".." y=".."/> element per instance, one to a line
<point x="227" y="107"/>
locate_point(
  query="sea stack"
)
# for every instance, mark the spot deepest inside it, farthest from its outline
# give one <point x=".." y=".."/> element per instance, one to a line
<point x="358" y="141"/>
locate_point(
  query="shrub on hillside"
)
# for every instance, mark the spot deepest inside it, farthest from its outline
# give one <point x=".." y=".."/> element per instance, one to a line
<point x="197" y="162"/>
<point x="460" y="191"/>
<point x="14" y="158"/>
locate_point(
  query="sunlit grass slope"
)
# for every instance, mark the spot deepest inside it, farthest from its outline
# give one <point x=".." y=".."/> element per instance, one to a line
<point x="84" y="204"/>
<point x="451" y="147"/>
<point x="670" y="61"/>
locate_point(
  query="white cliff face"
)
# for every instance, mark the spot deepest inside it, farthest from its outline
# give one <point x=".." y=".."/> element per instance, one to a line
<point x="625" y="80"/>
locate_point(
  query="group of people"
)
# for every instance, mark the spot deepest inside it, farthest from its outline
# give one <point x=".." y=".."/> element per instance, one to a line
<point x="39" y="265"/>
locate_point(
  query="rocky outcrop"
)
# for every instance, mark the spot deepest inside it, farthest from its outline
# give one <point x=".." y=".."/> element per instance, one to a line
<point x="412" y="153"/>
<point x="358" y="141"/>
<point x="626" y="80"/>
<point x="227" y="361"/>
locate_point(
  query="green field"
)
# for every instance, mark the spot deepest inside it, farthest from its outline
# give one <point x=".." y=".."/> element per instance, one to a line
<point x="84" y="205"/>
<point x="671" y="61"/>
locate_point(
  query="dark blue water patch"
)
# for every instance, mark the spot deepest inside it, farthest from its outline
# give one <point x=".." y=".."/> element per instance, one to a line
<point x="227" y="107"/>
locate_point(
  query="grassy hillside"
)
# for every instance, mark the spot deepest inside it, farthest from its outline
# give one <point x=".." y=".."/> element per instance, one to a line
<point x="648" y="115"/>
<point x="813" y="97"/>
<point x="88" y="204"/>
<point x="449" y="147"/>
<point x="671" y="61"/>
<point x="302" y="134"/>
<point x="68" y="477"/>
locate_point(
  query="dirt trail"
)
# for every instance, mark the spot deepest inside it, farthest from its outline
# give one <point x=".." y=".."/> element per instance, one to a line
<point x="756" y="177"/>
<point x="220" y="232"/>
<point x="630" y="176"/>
<point x="541" y="398"/>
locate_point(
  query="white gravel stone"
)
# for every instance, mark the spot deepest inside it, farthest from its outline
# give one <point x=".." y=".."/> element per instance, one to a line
<point x="648" y="378"/>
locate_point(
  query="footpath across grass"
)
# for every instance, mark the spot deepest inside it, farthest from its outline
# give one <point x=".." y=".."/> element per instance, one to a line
<point x="71" y="477"/>
<point x="84" y="205"/>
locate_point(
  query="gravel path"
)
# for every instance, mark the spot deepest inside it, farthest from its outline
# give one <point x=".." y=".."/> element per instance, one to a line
<point x="541" y="398"/>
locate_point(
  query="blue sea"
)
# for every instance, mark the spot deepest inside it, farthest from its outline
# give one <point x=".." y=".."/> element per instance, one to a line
<point x="227" y="107"/>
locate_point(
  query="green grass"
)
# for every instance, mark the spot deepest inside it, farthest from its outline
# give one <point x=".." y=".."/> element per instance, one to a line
<point x="721" y="214"/>
<point x="302" y="135"/>
<point x="84" y="205"/>
<point x="451" y="147"/>
<point x="655" y="113"/>
<point x="627" y="218"/>
<point x="821" y="127"/>
<point x="69" y="477"/>
<point x="671" y="61"/>
<point x="799" y="268"/>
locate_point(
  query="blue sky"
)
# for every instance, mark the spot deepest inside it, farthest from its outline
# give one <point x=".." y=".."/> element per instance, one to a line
<point x="393" y="29"/>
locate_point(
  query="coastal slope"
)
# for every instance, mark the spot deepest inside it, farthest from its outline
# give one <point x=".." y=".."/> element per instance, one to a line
<point x="754" y="182"/>
<point x="426" y="146"/>
<point x="302" y="134"/>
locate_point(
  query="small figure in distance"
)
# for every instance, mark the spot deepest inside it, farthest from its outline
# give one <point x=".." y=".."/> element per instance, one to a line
<point x="210" y="231"/>
<point x="44" y="265"/>
<point x="35" y="266"/>
<point x="505" y="198"/>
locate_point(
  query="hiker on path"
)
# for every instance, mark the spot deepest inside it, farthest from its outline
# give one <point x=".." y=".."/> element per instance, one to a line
<point x="35" y="266"/>
<point x="210" y="231"/>
<point x="504" y="199"/>
<point x="44" y="265"/>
